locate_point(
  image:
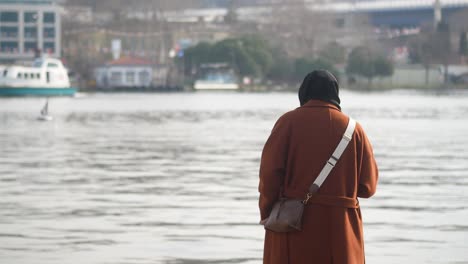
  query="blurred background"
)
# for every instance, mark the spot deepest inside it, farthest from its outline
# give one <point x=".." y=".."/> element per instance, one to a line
<point x="131" y="131"/>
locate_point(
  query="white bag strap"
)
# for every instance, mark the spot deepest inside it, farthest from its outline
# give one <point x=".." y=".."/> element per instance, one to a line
<point x="347" y="137"/>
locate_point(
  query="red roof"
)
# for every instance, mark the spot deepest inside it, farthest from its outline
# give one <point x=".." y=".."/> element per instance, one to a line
<point x="130" y="61"/>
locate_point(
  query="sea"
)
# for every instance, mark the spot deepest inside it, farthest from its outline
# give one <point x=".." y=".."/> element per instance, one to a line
<point x="139" y="178"/>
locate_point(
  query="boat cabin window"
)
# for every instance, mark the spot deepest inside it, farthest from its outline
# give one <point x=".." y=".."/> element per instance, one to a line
<point x="25" y="76"/>
<point x="52" y="65"/>
<point x="38" y="75"/>
<point x="37" y="63"/>
<point x="19" y="76"/>
<point x="5" y="72"/>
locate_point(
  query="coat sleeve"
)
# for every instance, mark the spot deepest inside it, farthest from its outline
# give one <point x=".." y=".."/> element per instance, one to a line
<point x="273" y="166"/>
<point x="368" y="171"/>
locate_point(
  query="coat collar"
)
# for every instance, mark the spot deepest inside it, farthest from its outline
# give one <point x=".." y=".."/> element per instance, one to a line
<point x="320" y="103"/>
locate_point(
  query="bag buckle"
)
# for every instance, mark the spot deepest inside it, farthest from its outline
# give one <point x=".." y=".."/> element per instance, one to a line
<point x="347" y="137"/>
<point x="308" y="196"/>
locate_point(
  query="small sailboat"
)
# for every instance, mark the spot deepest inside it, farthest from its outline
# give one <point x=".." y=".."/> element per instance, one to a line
<point x="44" y="116"/>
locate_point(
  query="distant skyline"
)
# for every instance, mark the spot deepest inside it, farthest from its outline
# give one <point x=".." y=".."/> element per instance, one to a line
<point x="225" y="3"/>
<point x="203" y="3"/>
<point x="26" y="1"/>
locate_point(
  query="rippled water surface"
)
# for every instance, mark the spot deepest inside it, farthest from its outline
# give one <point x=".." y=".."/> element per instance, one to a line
<point x="172" y="178"/>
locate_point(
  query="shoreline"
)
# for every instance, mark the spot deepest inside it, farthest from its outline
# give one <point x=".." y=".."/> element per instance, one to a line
<point x="452" y="90"/>
<point x="264" y="89"/>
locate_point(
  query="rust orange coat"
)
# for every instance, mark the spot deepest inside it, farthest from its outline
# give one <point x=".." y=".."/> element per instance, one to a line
<point x="299" y="145"/>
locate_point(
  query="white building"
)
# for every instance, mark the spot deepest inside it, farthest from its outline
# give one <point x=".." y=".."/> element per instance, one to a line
<point x="27" y="26"/>
<point x="80" y="14"/>
<point x="125" y="73"/>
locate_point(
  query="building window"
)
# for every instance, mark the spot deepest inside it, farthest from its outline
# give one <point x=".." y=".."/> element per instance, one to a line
<point x="9" y="47"/>
<point x="9" y="32"/>
<point x="340" y="23"/>
<point x="49" y="17"/>
<point x="30" y="17"/>
<point x="30" y="32"/>
<point x="116" y="77"/>
<point x="9" y="17"/>
<point x="144" y="77"/>
<point x="49" y="47"/>
<point x="30" y="47"/>
<point x="49" y="32"/>
<point x="130" y="76"/>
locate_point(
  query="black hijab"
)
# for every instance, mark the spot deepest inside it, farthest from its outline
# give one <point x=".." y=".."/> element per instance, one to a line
<point x="320" y="85"/>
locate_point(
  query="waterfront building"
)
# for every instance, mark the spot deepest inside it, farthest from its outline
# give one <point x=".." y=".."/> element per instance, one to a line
<point x="28" y="26"/>
<point x="125" y="73"/>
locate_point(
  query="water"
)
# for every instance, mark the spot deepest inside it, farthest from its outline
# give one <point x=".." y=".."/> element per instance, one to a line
<point x="172" y="178"/>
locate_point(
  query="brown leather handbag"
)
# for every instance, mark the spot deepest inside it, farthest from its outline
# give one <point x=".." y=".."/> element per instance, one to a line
<point x="286" y="215"/>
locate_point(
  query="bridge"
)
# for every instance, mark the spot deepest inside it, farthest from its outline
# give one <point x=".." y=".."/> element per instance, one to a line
<point x="397" y="13"/>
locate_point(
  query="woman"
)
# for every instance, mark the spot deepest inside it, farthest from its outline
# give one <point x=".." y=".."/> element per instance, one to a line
<point x="299" y="145"/>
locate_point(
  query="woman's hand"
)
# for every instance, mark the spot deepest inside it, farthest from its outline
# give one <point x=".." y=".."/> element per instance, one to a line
<point x="263" y="222"/>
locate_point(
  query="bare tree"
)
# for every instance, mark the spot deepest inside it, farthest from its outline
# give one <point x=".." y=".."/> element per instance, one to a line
<point x="421" y="52"/>
<point x="302" y="27"/>
<point x="433" y="47"/>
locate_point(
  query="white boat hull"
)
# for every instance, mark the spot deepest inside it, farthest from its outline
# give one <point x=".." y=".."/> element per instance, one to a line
<point x="45" y="118"/>
<point x="200" y="85"/>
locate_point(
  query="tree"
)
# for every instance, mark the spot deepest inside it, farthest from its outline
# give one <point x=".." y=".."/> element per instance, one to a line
<point x="334" y="53"/>
<point x="463" y="47"/>
<point x="363" y="61"/>
<point x="235" y="52"/>
<point x="281" y="72"/>
<point x="196" y="55"/>
<point x="441" y="47"/>
<point x="282" y="67"/>
<point x="304" y="66"/>
<point x="434" y="47"/>
<point x="359" y="63"/>
<point x="383" y="67"/>
<point x="248" y="55"/>
<point x="259" y="50"/>
<point x="420" y="51"/>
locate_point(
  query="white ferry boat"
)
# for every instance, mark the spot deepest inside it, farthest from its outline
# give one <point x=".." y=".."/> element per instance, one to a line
<point x="46" y="77"/>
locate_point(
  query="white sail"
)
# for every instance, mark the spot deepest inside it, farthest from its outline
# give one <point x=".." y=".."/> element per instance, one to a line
<point x="45" y="109"/>
<point x="44" y="116"/>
